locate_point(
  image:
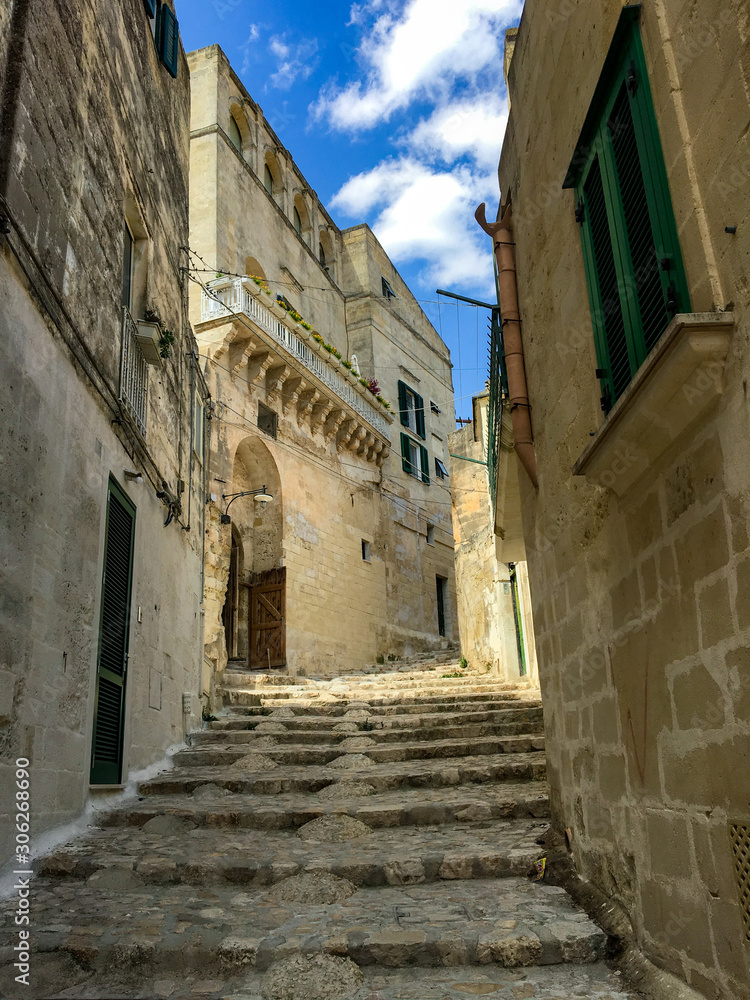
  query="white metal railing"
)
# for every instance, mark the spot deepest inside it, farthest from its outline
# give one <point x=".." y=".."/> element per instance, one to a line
<point x="235" y="297"/>
<point x="133" y="373"/>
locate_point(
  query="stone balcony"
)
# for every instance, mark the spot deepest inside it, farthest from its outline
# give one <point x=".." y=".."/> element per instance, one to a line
<point x="244" y="330"/>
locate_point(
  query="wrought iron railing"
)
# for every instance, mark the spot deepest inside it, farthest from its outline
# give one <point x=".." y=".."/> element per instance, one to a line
<point x="133" y="374"/>
<point x="498" y="393"/>
<point x="235" y="296"/>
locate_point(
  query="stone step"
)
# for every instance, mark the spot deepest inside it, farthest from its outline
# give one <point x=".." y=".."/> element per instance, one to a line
<point x="414" y="695"/>
<point x="345" y="713"/>
<point x="510" y="922"/>
<point x="321" y="755"/>
<point x="521" y="724"/>
<point x="256" y="777"/>
<point x="216" y="807"/>
<point x="540" y="982"/>
<point x="409" y="855"/>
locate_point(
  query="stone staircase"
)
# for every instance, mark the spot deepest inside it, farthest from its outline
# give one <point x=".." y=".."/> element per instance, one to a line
<point x="369" y="837"/>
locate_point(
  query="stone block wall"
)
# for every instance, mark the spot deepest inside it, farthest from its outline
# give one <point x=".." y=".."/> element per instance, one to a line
<point x="98" y="130"/>
<point x="639" y="599"/>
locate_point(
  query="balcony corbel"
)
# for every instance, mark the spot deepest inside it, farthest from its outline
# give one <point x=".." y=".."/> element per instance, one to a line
<point x="291" y="392"/>
<point x="276" y="376"/>
<point x="380" y="459"/>
<point x="359" y="435"/>
<point x="257" y="366"/>
<point x="366" y="443"/>
<point x="307" y="400"/>
<point x="348" y="428"/>
<point x="320" y="414"/>
<point x="334" y="422"/>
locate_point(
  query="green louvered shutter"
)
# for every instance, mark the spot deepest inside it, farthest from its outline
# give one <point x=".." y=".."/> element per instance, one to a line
<point x="419" y="412"/>
<point x="606" y="306"/>
<point x="109" y="710"/>
<point x="402" y="406"/>
<point x="425" y="464"/>
<point x="168" y="39"/>
<point x="651" y="290"/>
<point x="405" y="454"/>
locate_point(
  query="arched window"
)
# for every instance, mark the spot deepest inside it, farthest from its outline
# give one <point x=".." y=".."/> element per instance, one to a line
<point x="234" y="134"/>
<point x="297" y="220"/>
<point x="321" y="254"/>
<point x="268" y="180"/>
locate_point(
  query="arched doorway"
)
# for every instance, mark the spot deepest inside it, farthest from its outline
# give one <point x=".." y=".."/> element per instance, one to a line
<point x="254" y="614"/>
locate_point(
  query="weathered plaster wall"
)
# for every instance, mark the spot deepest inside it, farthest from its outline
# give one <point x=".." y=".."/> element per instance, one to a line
<point x="641" y="601"/>
<point x="99" y="134"/>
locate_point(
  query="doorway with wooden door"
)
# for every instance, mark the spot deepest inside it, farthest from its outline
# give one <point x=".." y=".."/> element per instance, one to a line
<point x="254" y="610"/>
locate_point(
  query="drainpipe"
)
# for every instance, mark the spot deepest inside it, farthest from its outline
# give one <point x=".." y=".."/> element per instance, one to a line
<point x="520" y="408"/>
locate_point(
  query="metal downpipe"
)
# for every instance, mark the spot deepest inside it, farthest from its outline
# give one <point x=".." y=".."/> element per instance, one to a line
<point x="518" y="397"/>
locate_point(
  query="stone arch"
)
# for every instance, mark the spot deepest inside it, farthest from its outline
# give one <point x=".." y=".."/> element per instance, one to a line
<point x="239" y="131"/>
<point x="272" y="170"/>
<point x="253" y="266"/>
<point x="326" y="250"/>
<point x="300" y="205"/>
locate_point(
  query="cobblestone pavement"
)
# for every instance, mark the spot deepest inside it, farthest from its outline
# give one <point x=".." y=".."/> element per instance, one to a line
<point x="368" y="838"/>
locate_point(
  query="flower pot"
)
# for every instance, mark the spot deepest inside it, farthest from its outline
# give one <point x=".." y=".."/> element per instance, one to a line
<point x="147" y="338"/>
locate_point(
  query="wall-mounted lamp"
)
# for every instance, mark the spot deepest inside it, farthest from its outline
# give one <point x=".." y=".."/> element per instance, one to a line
<point x="133" y="477"/>
<point x="260" y="496"/>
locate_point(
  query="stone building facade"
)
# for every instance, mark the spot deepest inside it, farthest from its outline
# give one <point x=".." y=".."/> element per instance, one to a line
<point x="101" y="614"/>
<point x="353" y="558"/>
<point x="494" y="601"/>
<point x="626" y="169"/>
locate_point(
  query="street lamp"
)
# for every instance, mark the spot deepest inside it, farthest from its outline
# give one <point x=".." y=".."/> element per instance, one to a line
<point x="260" y="496"/>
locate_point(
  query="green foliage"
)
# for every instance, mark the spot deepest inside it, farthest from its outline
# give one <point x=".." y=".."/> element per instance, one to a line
<point x="166" y="340"/>
<point x="463" y="663"/>
<point x="380" y="658"/>
<point x="456" y="673"/>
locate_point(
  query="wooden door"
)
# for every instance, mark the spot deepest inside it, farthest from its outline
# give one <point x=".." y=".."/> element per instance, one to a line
<point x="268" y="620"/>
<point x="114" y="629"/>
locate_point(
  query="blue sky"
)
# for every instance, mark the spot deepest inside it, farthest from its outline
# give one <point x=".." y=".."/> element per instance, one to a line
<point x="395" y="111"/>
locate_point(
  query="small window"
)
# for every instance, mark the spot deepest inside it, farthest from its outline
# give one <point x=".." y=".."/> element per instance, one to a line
<point x="434" y="407"/>
<point x="297" y="220"/>
<point x="127" y="269"/>
<point x="168" y="39"/>
<point x="234" y="134"/>
<point x="268" y="179"/>
<point x="267" y="420"/>
<point x="430" y="534"/>
<point x="411" y="407"/>
<point x="387" y="290"/>
<point x="440" y="470"/>
<point x="365" y="550"/>
<point x="415" y="459"/>
<point x="199" y="427"/>
<point x="321" y="254"/>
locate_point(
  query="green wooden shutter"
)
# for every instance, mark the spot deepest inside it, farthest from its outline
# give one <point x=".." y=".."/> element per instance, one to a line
<point x="150" y="7"/>
<point x="109" y="703"/>
<point x="402" y="405"/>
<point x="168" y="39"/>
<point x="634" y="268"/>
<point x="644" y="257"/>
<point x="606" y="306"/>
<point x="405" y="454"/>
<point x="425" y="464"/>
<point x="419" y="408"/>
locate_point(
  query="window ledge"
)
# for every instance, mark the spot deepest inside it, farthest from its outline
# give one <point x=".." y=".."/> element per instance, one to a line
<point x="675" y="386"/>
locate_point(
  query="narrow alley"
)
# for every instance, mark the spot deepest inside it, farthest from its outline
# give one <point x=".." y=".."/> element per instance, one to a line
<point x="369" y="837"/>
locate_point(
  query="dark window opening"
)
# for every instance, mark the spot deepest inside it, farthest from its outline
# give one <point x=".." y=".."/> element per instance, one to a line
<point x="267" y="420"/>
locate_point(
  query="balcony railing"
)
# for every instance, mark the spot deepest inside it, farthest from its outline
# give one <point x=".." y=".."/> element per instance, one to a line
<point x="133" y="374"/>
<point x="240" y="295"/>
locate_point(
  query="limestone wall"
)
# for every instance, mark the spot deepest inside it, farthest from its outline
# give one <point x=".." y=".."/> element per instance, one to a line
<point x="640" y="600"/>
<point x="99" y="134"/>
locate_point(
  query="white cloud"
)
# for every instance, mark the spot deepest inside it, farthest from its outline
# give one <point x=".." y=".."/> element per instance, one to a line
<point x="245" y="48"/>
<point x="293" y="62"/>
<point x="426" y="215"/>
<point x="419" y="54"/>
<point x="473" y="127"/>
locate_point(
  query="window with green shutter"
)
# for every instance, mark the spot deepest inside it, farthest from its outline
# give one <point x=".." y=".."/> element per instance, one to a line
<point x="634" y="271"/>
<point x="415" y="459"/>
<point x="411" y="408"/>
<point x="168" y="39"/>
